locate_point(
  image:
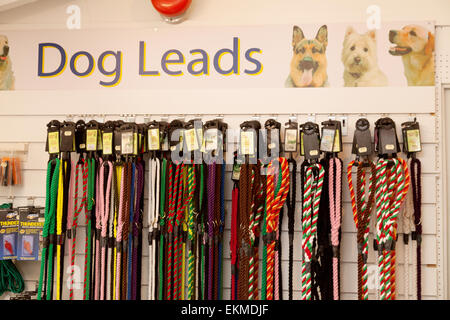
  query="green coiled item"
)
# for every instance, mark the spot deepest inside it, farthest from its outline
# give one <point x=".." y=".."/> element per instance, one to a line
<point x="10" y="278"/>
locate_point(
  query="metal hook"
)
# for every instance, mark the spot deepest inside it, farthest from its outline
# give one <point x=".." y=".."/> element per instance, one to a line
<point x="31" y="201"/>
<point x="69" y="117"/>
<point x="312" y="117"/>
<point x="293" y="117"/>
<point x="11" y="196"/>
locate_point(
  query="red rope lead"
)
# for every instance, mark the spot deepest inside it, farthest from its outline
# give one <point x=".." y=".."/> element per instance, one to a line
<point x="274" y="204"/>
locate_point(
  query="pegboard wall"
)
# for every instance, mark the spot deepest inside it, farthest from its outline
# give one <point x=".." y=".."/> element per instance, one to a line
<point x="34" y="171"/>
<point x="24" y="116"/>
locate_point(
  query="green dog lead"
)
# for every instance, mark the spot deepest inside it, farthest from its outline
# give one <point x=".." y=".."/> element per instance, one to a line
<point x="50" y="212"/>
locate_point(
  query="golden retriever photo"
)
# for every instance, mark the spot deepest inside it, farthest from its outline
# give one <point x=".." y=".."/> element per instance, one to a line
<point x="6" y="73"/>
<point x="309" y="62"/>
<point x="415" y="45"/>
<point x="359" y="56"/>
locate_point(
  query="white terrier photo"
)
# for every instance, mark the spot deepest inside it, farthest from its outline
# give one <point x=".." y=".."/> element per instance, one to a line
<point x="6" y="73"/>
<point x="359" y="56"/>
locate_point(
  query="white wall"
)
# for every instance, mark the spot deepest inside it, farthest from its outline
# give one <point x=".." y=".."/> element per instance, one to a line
<point x="230" y="12"/>
<point x="17" y="126"/>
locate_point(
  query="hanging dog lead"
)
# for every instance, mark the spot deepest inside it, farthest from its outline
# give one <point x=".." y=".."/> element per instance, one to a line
<point x="192" y="145"/>
<point x="214" y="147"/>
<point x="412" y="145"/>
<point x="136" y="229"/>
<point x="271" y="150"/>
<point x="276" y="196"/>
<point x="129" y="225"/>
<point x="126" y="150"/>
<point x="391" y="188"/>
<point x="52" y="181"/>
<point x="362" y="204"/>
<point x="313" y="181"/>
<point x="163" y="204"/>
<point x="153" y="138"/>
<point x="106" y="202"/>
<point x="92" y="132"/>
<point x="104" y="197"/>
<point x="175" y="211"/>
<point x="118" y="166"/>
<point x="247" y="156"/>
<point x="290" y="146"/>
<point x="81" y="173"/>
<point x="331" y="144"/>
<point x="67" y="146"/>
<point x="234" y="226"/>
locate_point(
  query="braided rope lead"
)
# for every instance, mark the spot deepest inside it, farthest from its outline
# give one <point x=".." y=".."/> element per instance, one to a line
<point x="221" y="230"/>
<point x="355" y="219"/>
<point x="104" y="225"/>
<point x="416" y="170"/>
<point x="170" y="230"/>
<point x="52" y="231"/>
<point x="402" y="184"/>
<point x="391" y="188"/>
<point x="120" y="223"/>
<point x="162" y="224"/>
<point x="50" y="209"/>
<point x="291" y="202"/>
<point x="380" y="190"/>
<point x="100" y="203"/>
<point x="257" y="208"/>
<point x="88" y="248"/>
<point x="191" y="232"/>
<point x="274" y="204"/>
<point x="77" y="210"/>
<point x="407" y="218"/>
<point x="129" y="235"/>
<point x="264" y="257"/>
<point x="154" y="185"/>
<point x="310" y="212"/>
<point x="233" y="241"/>
<point x="252" y="278"/>
<point x="335" y="186"/>
<point x="178" y="241"/>
<point x="362" y="210"/>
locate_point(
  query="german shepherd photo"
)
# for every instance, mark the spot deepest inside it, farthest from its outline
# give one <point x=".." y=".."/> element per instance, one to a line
<point x="309" y="61"/>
